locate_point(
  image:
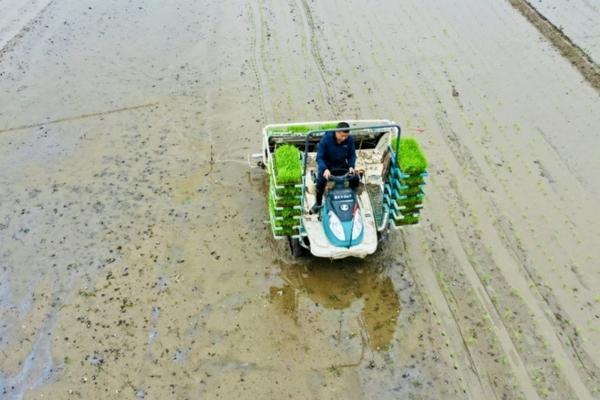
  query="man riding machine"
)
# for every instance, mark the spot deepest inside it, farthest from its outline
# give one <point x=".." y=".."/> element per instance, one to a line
<point x="336" y="160"/>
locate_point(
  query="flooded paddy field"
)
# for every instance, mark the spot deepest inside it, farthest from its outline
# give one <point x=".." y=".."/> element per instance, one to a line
<point x="578" y="20"/>
<point x="135" y="257"/>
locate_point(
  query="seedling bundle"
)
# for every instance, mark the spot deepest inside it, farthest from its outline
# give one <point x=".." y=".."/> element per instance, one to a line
<point x="300" y="129"/>
<point x="405" y="182"/>
<point x="285" y="191"/>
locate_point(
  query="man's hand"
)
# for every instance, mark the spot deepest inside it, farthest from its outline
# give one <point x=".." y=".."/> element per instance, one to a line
<point x="351" y="171"/>
<point x="326" y="174"/>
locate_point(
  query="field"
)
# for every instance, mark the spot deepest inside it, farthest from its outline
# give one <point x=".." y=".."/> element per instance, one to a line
<point x="136" y="258"/>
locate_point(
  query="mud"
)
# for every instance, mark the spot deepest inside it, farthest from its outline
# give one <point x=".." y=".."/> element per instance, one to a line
<point x="579" y="57"/>
<point x="577" y="20"/>
<point x="135" y="257"/>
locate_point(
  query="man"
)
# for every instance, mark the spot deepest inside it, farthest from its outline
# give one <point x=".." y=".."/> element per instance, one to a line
<point x="337" y="153"/>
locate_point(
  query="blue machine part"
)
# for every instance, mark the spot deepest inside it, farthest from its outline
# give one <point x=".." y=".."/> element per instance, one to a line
<point x="342" y="218"/>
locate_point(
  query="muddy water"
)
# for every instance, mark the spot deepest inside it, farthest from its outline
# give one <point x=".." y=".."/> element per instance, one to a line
<point x="578" y="20"/>
<point x="135" y="260"/>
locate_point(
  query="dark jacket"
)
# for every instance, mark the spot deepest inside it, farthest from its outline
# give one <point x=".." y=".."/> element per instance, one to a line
<point x="332" y="155"/>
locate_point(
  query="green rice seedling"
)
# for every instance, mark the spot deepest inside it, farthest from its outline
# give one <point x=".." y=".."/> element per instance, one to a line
<point x="288" y="191"/>
<point x="412" y="175"/>
<point x="286" y="212"/>
<point x="286" y="226"/>
<point x="287" y="222"/>
<point x="413" y="181"/>
<point x="411" y="201"/>
<point x="287" y="202"/>
<point x="301" y="129"/>
<point x="286" y="231"/>
<point x="411" y="210"/>
<point x="308" y="128"/>
<point x="408" y="220"/>
<point x="288" y="167"/>
<point x="286" y="198"/>
<point x="411" y="191"/>
<point x="485" y="278"/>
<point x="329" y="126"/>
<point x="410" y="156"/>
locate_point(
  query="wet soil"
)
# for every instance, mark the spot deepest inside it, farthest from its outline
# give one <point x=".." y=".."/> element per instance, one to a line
<point x="563" y="43"/>
<point x="135" y="257"/>
<point x="577" y="20"/>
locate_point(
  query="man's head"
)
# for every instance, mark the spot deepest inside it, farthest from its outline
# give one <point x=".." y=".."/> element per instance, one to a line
<point x="341" y="136"/>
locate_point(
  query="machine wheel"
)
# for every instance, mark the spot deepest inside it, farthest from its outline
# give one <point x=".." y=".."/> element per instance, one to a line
<point x="296" y="248"/>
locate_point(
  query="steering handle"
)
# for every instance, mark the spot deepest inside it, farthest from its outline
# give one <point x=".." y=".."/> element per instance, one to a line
<point x="341" y="178"/>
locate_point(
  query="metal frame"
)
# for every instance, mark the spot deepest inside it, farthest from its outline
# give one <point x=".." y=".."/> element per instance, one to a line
<point x="356" y="128"/>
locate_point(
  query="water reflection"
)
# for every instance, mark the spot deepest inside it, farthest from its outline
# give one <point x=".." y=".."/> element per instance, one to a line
<point x="338" y="285"/>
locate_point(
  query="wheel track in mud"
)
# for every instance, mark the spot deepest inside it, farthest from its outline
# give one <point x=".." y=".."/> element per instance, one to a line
<point x="339" y="46"/>
<point x="505" y="235"/>
<point x="573" y="341"/>
<point x="457" y="328"/>
<point x="272" y="52"/>
<point x="318" y="59"/>
<point x="486" y="300"/>
<point x="554" y="311"/>
<point x="477" y="386"/>
<point x="528" y="74"/>
<point x="299" y="22"/>
<point x="476" y="390"/>
<point x="467" y="159"/>
<point x="538" y="88"/>
<point x="255" y="64"/>
<point x="293" y="96"/>
<point x="471" y="384"/>
<point x="458" y="324"/>
<point x="274" y="40"/>
<point x="479" y="336"/>
<point x="459" y="151"/>
<point x="455" y="325"/>
<point x="514" y="148"/>
<point x="493" y="285"/>
<point x="350" y="42"/>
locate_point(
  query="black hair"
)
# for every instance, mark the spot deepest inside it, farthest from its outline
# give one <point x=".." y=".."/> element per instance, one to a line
<point x="343" y="125"/>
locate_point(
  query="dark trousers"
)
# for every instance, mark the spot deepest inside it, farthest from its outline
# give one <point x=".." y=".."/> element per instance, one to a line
<point x="321" y="182"/>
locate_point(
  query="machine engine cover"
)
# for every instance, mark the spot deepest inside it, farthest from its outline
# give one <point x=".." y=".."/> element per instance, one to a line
<point x="342" y="203"/>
